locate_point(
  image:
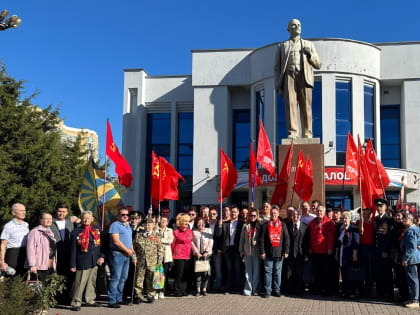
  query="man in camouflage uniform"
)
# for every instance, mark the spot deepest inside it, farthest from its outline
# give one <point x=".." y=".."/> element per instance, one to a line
<point x="149" y="252"/>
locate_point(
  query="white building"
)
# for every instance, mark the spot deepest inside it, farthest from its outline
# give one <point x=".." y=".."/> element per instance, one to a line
<point x="368" y="89"/>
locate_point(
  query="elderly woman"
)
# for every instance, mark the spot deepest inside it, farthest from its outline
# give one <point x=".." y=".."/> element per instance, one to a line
<point x="248" y="250"/>
<point x="85" y="257"/>
<point x="202" y="245"/>
<point x="41" y="248"/>
<point x="181" y="252"/>
<point x="166" y="235"/>
<point x="348" y="238"/>
<point x="411" y="258"/>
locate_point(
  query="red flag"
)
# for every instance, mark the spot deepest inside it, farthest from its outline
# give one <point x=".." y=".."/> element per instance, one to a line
<point x="280" y="192"/>
<point x="228" y="176"/>
<point x="252" y="168"/>
<point x="376" y="170"/>
<point x="365" y="186"/>
<point x="299" y="174"/>
<point x="168" y="181"/>
<point x="264" y="153"/>
<point x="352" y="159"/>
<point x="308" y="181"/>
<point x="122" y="168"/>
<point x="155" y="178"/>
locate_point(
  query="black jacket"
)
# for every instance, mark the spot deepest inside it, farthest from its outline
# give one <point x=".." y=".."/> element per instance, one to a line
<point x="299" y="244"/>
<point x="79" y="259"/>
<point x="264" y="243"/>
<point x="384" y="231"/>
<point x="223" y="235"/>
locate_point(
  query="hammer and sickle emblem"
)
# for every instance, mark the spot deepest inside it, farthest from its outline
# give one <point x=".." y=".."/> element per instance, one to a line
<point x="156" y="171"/>
<point x="225" y="167"/>
<point x="300" y="164"/>
<point x="113" y="147"/>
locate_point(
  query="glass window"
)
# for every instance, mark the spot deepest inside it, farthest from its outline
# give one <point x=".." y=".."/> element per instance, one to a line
<point x="335" y="199"/>
<point x="260" y="101"/>
<point x="185" y="148"/>
<point x="158" y="140"/>
<point x="317" y="110"/>
<point x="390" y="136"/>
<point x="343" y="118"/>
<point x="241" y="138"/>
<point x="369" y="107"/>
<point x="281" y="128"/>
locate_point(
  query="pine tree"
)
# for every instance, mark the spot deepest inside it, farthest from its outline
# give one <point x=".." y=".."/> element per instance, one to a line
<point x="37" y="168"/>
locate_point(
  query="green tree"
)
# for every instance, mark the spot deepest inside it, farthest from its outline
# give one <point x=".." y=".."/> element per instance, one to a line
<point x="37" y="168"/>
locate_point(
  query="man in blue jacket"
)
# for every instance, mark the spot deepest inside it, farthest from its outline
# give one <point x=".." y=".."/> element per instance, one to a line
<point x="85" y="256"/>
<point x="411" y="258"/>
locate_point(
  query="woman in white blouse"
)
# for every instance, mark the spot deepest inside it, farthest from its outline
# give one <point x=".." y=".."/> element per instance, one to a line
<point x="202" y="245"/>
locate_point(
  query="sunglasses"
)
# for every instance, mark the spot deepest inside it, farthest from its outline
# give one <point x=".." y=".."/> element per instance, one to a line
<point x="253" y="216"/>
<point x="124" y="214"/>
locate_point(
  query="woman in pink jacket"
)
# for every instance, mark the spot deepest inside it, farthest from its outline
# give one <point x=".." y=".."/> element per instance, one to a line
<point x="181" y="252"/>
<point x="41" y="249"/>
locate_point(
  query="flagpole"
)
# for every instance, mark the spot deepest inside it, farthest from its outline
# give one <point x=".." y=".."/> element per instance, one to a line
<point x="160" y="183"/>
<point x="253" y="181"/>
<point x="221" y="189"/>
<point x="360" y="190"/>
<point x="103" y="196"/>
<point x="380" y="177"/>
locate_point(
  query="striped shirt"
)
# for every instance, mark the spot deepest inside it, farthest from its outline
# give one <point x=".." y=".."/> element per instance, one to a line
<point x="15" y="234"/>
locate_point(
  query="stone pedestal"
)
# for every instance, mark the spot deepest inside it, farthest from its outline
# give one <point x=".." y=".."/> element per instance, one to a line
<point x="315" y="150"/>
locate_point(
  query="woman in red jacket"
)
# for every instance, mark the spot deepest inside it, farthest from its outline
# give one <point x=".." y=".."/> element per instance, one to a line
<point x="181" y="252"/>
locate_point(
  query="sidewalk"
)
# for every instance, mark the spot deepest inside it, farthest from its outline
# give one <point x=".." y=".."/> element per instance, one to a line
<point x="215" y="304"/>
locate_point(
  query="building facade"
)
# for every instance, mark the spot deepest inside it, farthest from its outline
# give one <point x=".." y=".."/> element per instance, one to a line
<point x="370" y="90"/>
<point x="88" y="138"/>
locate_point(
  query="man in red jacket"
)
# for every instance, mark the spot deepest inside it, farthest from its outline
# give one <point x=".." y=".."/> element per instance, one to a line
<point x="321" y="241"/>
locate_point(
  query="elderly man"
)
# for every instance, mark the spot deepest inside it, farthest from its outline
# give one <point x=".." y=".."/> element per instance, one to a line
<point x="85" y="256"/>
<point x="321" y="241"/>
<point x="121" y="249"/>
<point x="13" y="242"/>
<point x="273" y="245"/>
<point x="411" y="258"/>
<point x="294" y="79"/>
<point x="383" y="233"/>
<point x="149" y="253"/>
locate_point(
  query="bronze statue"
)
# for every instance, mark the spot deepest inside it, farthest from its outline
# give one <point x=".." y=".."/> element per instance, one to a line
<point x="294" y="79"/>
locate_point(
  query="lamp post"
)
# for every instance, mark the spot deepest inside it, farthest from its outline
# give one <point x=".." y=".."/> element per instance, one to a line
<point x="12" y="21"/>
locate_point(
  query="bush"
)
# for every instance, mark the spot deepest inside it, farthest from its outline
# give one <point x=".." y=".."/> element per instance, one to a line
<point x="17" y="299"/>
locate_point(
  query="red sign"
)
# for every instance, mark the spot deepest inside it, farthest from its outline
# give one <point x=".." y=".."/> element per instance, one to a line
<point x="334" y="176"/>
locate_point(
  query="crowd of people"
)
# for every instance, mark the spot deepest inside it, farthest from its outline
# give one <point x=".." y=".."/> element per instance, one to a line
<point x="246" y="251"/>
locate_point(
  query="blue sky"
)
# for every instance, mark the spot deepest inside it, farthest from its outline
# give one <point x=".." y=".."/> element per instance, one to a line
<point x="74" y="52"/>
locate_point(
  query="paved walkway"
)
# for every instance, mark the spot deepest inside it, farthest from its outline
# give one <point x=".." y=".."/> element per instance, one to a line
<point x="215" y="304"/>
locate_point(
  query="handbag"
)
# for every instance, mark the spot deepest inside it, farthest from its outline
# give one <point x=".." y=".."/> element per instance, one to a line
<point x="355" y="273"/>
<point x="201" y="266"/>
<point x="159" y="277"/>
<point x="35" y="285"/>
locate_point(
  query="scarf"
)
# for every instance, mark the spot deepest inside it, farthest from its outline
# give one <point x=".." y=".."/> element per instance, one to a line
<point x="84" y="238"/>
<point x="274" y="231"/>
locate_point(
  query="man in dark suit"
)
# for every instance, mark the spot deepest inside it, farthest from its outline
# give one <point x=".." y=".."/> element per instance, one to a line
<point x="383" y="232"/>
<point x="62" y="227"/>
<point x="229" y="233"/>
<point x="299" y="243"/>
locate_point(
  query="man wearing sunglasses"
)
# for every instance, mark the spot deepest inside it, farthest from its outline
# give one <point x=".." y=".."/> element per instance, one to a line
<point x="121" y="249"/>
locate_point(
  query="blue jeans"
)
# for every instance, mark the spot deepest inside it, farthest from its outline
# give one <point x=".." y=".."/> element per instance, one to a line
<point x="119" y="265"/>
<point x="272" y="268"/>
<point x="413" y="281"/>
<point x="252" y="274"/>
